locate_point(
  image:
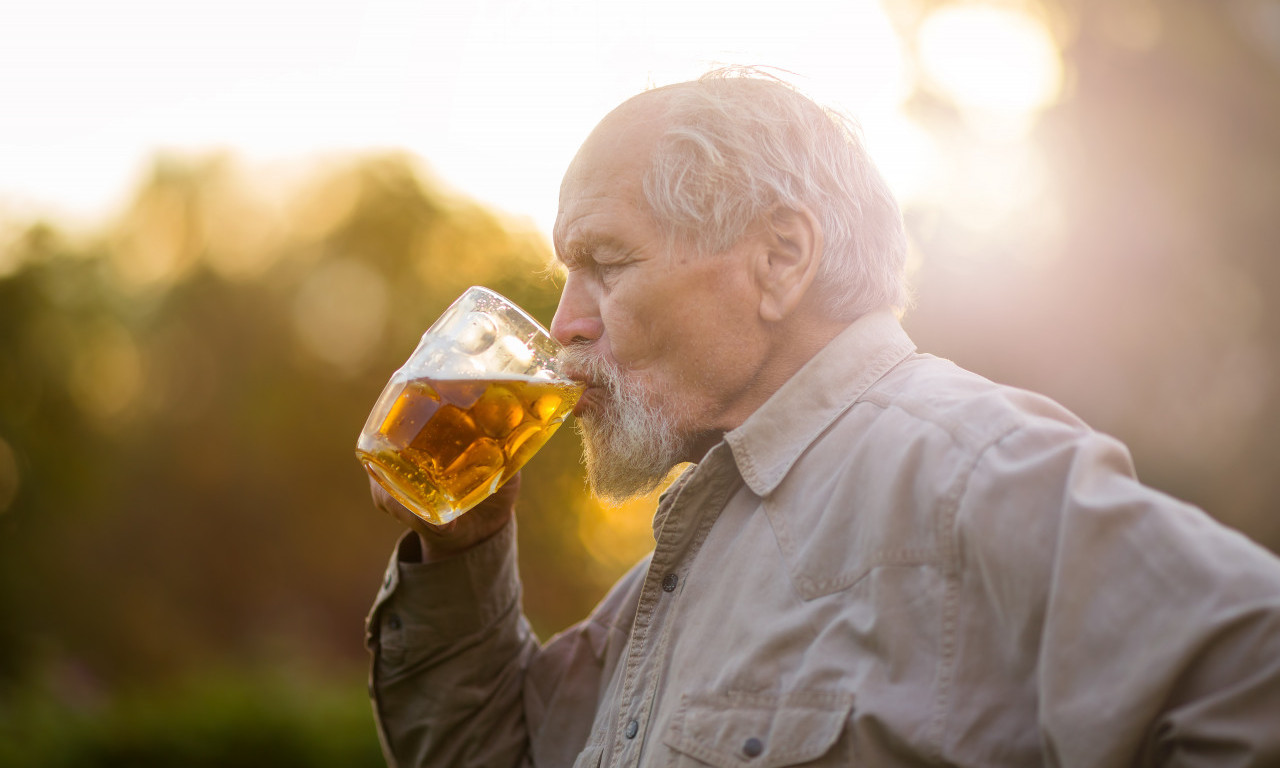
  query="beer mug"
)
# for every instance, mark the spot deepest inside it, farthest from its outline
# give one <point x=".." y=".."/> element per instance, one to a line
<point x="477" y="398"/>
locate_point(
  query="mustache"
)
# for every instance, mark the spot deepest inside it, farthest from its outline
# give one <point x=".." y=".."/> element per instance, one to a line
<point x="584" y="364"/>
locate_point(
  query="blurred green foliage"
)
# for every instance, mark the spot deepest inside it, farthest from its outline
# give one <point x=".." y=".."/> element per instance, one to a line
<point x="179" y="401"/>
<point x="211" y="724"/>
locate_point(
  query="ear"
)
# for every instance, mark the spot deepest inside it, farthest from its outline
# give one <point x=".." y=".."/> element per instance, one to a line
<point x="788" y="263"/>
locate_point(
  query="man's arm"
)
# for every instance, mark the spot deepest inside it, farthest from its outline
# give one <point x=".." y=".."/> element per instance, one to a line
<point x="1155" y="631"/>
<point x="449" y="642"/>
<point x="458" y="678"/>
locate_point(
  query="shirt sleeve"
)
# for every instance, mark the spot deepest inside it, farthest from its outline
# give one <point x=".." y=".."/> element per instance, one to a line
<point x="449" y="647"/>
<point x="1154" y="630"/>
<point x="458" y="678"/>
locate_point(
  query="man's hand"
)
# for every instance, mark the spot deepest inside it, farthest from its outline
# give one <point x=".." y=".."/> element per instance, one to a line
<point x="463" y="532"/>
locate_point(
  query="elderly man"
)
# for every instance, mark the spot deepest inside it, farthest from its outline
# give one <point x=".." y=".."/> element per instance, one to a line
<point x="876" y="559"/>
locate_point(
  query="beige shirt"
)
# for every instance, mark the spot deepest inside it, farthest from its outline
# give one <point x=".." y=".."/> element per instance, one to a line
<point x="892" y="562"/>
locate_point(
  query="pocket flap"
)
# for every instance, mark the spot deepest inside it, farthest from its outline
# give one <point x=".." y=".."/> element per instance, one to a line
<point x="758" y="730"/>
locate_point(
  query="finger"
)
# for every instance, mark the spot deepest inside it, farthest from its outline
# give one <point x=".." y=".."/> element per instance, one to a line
<point x="385" y="502"/>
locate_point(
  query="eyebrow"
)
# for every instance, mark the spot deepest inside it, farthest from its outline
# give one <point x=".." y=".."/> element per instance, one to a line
<point x="583" y="249"/>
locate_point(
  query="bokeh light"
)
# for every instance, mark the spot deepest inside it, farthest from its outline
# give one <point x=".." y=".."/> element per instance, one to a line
<point x="998" y="64"/>
<point x="340" y="312"/>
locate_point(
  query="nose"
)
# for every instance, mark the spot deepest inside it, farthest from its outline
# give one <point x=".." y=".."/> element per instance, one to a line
<point x="577" y="318"/>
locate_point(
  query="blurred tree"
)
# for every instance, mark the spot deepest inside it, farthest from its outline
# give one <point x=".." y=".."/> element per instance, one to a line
<point x="181" y="397"/>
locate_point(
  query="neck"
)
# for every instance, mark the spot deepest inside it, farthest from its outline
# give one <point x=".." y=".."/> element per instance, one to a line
<point x="787" y="347"/>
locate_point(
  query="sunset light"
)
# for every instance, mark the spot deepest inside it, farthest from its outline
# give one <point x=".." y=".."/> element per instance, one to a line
<point x="996" y="64"/>
<point x="494" y="97"/>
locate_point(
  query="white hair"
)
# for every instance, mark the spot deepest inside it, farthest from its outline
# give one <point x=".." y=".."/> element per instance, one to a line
<point x="738" y="143"/>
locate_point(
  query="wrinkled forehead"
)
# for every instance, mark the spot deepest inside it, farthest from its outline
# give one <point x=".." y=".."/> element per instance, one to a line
<point x="622" y="141"/>
<point x="612" y="162"/>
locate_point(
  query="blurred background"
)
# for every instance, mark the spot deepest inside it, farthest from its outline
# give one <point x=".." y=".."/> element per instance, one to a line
<point x="223" y="225"/>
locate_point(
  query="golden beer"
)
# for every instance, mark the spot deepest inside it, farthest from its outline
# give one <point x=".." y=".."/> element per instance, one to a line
<point x="446" y="444"/>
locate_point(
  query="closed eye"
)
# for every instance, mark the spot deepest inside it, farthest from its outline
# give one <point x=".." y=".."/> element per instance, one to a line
<point x="601" y="257"/>
<point x="608" y="273"/>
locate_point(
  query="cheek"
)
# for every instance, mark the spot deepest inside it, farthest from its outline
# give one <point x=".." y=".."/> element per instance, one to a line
<point x="677" y="323"/>
<point x="634" y="333"/>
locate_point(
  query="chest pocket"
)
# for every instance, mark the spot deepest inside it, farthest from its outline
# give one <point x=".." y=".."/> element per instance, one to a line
<point x="752" y="730"/>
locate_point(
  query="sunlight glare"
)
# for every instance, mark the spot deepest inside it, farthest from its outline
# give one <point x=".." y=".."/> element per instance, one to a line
<point x="531" y="78"/>
<point x="495" y="95"/>
<point x="997" y="64"/>
<point x="906" y="155"/>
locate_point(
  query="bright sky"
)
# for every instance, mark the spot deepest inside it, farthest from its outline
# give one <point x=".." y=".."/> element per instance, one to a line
<point x="495" y="95"/>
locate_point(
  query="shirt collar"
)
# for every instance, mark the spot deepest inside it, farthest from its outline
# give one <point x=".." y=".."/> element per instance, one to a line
<point x="770" y="441"/>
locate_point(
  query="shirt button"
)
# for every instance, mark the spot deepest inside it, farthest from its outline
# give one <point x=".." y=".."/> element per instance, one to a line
<point x="633" y="728"/>
<point x="753" y="747"/>
<point x="393" y="621"/>
<point x="669" y="583"/>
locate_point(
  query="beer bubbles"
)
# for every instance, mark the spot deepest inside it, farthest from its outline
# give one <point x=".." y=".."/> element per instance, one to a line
<point x="478" y="397"/>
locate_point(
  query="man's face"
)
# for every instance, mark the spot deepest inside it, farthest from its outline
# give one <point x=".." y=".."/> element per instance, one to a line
<point x="661" y="334"/>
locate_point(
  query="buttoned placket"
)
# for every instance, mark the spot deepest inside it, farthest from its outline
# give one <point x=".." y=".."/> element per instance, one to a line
<point x="688" y="516"/>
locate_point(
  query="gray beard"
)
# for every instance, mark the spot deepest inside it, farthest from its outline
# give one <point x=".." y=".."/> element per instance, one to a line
<point x="629" y="443"/>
